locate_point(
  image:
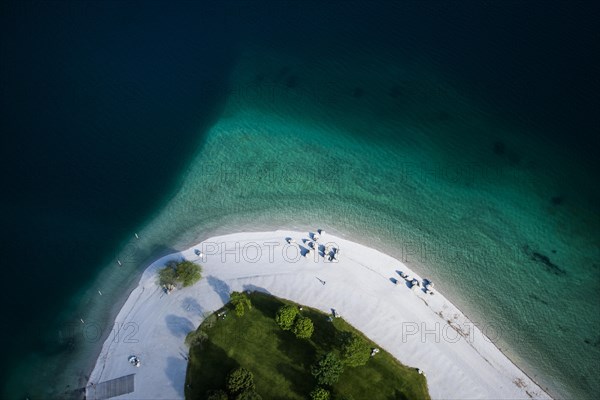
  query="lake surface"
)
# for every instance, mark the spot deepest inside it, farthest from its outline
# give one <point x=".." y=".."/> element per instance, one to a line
<point x="461" y="139"/>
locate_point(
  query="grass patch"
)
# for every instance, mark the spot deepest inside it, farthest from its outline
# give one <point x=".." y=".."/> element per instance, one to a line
<point x="281" y="363"/>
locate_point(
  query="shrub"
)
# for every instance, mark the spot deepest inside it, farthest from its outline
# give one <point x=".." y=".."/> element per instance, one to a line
<point x="303" y="328"/>
<point x="327" y="369"/>
<point x="240" y="380"/>
<point x="188" y="273"/>
<point x="240" y="302"/>
<point x="167" y="276"/>
<point x="286" y="315"/>
<point x="355" y="351"/>
<point x="319" y="394"/>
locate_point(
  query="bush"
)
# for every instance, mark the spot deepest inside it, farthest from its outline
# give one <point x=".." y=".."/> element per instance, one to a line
<point x="167" y="276"/>
<point x="328" y="369"/>
<point x="240" y="380"/>
<point x="355" y="351"/>
<point x="303" y="328"/>
<point x="188" y="273"/>
<point x="185" y="272"/>
<point x="319" y="394"/>
<point x="240" y="302"/>
<point x="286" y="315"/>
<point x="216" y="395"/>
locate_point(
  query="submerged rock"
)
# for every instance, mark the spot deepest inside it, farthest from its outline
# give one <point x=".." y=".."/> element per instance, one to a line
<point x="544" y="260"/>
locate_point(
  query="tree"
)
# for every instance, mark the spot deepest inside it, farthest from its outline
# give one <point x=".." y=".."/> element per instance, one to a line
<point x="248" y="395"/>
<point x="303" y="328"/>
<point x="188" y="273"/>
<point x="343" y="397"/>
<point x="185" y="272"/>
<point x="327" y="369"/>
<point x="319" y="394"/>
<point x="286" y="315"/>
<point x="216" y="395"/>
<point x="240" y="380"/>
<point x="240" y="302"/>
<point x="167" y="276"/>
<point x="196" y="337"/>
<point x="355" y="351"/>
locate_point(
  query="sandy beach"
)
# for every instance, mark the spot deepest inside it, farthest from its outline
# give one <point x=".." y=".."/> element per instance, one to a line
<point x="364" y="286"/>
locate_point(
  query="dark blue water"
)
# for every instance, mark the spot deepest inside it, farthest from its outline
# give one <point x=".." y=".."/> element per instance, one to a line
<point x="104" y="104"/>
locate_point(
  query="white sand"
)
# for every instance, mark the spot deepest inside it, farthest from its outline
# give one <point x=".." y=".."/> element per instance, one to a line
<point x="412" y="326"/>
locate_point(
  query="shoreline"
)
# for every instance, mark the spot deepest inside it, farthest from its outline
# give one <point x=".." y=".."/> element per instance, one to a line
<point x="420" y="330"/>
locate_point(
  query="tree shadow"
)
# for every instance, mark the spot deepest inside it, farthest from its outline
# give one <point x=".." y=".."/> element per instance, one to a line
<point x="398" y="395"/>
<point x="325" y="333"/>
<point x="220" y="287"/>
<point x="175" y="371"/>
<point x="191" y="304"/>
<point x="253" y="288"/>
<point x="265" y="303"/>
<point x="179" y="326"/>
<point x="301" y="382"/>
<point x="208" y="367"/>
<point x="300" y="352"/>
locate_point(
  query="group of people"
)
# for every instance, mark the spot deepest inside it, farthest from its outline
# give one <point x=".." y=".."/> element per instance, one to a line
<point x="329" y="251"/>
<point x="416" y="285"/>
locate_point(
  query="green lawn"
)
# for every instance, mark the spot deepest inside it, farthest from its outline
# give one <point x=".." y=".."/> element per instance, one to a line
<point x="281" y="363"/>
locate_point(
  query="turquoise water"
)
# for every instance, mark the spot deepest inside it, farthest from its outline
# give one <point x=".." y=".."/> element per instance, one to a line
<point x="394" y="143"/>
<point x="452" y="208"/>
